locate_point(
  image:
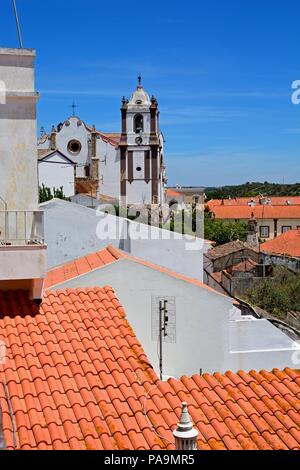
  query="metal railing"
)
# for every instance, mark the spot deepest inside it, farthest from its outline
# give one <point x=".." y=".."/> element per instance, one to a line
<point x="21" y="228"/>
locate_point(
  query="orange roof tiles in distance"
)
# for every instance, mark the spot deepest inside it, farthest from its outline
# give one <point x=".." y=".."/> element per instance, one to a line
<point x="173" y="193"/>
<point x="286" y="244"/>
<point x="97" y="390"/>
<point x="108" y="255"/>
<point x="261" y="212"/>
<point x="245" y="201"/>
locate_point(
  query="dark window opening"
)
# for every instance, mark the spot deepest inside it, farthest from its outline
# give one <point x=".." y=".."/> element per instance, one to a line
<point x="138" y="169"/>
<point x="138" y="124"/>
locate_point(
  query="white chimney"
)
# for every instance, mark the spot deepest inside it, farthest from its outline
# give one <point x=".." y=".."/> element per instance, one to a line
<point x="185" y="434"/>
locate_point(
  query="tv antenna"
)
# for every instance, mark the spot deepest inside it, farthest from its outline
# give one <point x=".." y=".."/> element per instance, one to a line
<point x="163" y="323"/>
<point x="18" y="24"/>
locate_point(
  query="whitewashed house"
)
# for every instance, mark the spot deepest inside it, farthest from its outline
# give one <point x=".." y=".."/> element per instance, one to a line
<point x="56" y="170"/>
<point x="203" y="331"/>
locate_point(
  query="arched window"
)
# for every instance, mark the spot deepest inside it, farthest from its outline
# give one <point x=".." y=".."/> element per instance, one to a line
<point x="138" y="124"/>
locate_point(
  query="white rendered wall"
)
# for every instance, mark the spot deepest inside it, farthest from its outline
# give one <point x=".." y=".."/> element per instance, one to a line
<point x="71" y="132"/>
<point x="56" y="173"/>
<point x="18" y="162"/>
<point x="109" y="169"/>
<point x="207" y="338"/>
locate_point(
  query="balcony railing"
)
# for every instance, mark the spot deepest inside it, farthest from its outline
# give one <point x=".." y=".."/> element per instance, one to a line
<point x="19" y="228"/>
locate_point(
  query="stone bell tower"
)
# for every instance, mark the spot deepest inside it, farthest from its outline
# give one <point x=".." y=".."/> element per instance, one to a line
<point x="141" y="150"/>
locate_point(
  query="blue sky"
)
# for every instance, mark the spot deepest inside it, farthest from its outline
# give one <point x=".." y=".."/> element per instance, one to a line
<point x="222" y="72"/>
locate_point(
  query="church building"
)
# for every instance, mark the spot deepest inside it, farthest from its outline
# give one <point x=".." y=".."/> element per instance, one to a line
<point x="127" y="167"/>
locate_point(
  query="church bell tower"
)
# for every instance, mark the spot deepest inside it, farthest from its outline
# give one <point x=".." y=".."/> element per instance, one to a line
<point x="141" y="150"/>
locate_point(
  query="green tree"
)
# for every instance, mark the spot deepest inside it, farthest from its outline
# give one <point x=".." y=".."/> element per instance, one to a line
<point x="222" y="232"/>
<point x="45" y="194"/>
<point x="278" y="294"/>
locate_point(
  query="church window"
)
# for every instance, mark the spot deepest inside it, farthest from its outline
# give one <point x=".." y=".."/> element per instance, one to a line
<point x="74" y="146"/>
<point x="138" y="124"/>
<point x="139" y="169"/>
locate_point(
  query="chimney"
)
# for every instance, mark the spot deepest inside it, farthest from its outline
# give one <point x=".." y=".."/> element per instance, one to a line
<point x="185" y="434"/>
<point x="53" y="139"/>
<point x="252" y="236"/>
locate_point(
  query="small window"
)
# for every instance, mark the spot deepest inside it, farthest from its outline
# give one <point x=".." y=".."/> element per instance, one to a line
<point x="138" y="124"/>
<point x="74" y="146"/>
<point x="139" y="169"/>
<point x="286" y="228"/>
<point x="265" y="231"/>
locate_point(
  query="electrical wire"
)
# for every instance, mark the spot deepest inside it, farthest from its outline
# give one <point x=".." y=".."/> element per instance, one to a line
<point x="11" y="414"/>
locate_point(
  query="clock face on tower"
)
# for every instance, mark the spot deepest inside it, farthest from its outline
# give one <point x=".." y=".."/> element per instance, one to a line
<point x="139" y="140"/>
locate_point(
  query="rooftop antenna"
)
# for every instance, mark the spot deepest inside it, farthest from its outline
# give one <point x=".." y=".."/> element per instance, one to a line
<point x="18" y="24"/>
<point x="163" y="323"/>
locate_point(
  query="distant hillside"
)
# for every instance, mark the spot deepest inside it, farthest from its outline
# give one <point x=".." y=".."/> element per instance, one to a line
<point x="253" y="189"/>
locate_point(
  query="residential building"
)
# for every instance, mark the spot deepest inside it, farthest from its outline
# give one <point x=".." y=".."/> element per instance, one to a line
<point x="283" y="250"/>
<point x="128" y="166"/>
<point x="22" y="247"/>
<point x="233" y="267"/>
<point x="77" y="378"/>
<point x="217" y="335"/>
<point x="186" y="195"/>
<point x="272" y="220"/>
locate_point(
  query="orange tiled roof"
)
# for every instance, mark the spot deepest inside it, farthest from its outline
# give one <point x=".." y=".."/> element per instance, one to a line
<point x="259" y="212"/>
<point x="77" y="378"/>
<point x="286" y="244"/>
<point x="244" y="201"/>
<point x="103" y="258"/>
<point x="82" y="265"/>
<point x="173" y="193"/>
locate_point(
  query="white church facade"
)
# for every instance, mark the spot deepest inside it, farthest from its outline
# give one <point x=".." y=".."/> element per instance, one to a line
<point x="127" y="167"/>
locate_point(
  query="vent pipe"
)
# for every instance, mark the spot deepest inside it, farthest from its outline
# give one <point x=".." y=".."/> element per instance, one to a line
<point x="185" y="434"/>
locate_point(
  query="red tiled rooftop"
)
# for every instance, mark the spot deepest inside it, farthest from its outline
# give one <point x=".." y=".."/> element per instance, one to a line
<point x="286" y="244"/>
<point x="244" y="201"/>
<point x="259" y="212"/>
<point x="173" y="193"/>
<point x="102" y="258"/>
<point x="77" y="378"/>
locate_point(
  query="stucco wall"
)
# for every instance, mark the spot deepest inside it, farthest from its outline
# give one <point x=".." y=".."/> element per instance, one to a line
<point x="72" y="231"/>
<point x="55" y="172"/>
<point x="206" y="338"/>
<point x="18" y="162"/>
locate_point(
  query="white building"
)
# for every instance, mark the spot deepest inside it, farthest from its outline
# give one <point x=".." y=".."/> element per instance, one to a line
<point x="128" y="167"/>
<point x="56" y="171"/>
<point x="22" y="248"/>
<point x="203" y="330"/>
<point x="72" y="230"/>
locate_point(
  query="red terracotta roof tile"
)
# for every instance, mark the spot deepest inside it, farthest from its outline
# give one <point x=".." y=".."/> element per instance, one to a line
<point x="87" y="384"/>
<point x="287" y="244"/>
<point x="109" y="255"/>
<point x="262" y="212"/>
